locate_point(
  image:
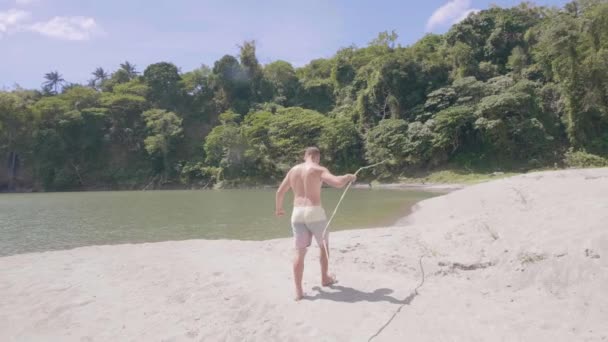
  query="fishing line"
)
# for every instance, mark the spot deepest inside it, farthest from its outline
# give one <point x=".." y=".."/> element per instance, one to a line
<point x="338" y="205"/>
<point x="327" y="252"/>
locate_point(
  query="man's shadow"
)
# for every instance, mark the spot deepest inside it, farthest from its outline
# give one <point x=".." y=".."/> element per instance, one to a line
<point x="350" y="295"/>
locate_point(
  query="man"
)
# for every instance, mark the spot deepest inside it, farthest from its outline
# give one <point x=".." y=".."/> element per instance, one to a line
<point x="308" y="218"/>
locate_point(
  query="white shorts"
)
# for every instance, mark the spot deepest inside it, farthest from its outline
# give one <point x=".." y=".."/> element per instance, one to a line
<point x="306" y="222"/>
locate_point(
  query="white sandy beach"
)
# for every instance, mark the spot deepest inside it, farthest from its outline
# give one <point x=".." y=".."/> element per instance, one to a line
<point x="517" y="259"/>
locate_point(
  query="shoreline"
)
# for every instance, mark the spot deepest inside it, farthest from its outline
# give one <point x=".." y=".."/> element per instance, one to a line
<point x="453" y="182"/>
<point x="432" y="187"/>
<point x="501" y="259"/>
<point x="390" y="220"/>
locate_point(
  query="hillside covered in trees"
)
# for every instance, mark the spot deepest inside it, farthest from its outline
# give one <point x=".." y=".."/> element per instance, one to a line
<point x="505" y="89"/>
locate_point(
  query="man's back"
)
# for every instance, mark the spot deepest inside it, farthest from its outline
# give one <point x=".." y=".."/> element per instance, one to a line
<point x="305" y="181"/>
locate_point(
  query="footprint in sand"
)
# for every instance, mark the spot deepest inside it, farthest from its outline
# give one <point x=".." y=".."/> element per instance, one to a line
<point x="590" y="253"/>
<point x="192" y="334"/>
<point x="350" y="248"/>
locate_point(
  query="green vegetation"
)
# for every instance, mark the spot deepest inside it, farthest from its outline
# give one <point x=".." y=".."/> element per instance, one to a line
<point x="455" y="177"/>
<point x="583" y="159"/>
<point x="504" y="90"/>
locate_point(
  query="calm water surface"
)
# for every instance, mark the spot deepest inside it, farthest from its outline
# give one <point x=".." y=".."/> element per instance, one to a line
<point x="51" y="221"/>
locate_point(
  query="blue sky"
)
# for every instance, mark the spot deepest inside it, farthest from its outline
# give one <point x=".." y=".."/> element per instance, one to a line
<point x="76" y="36"/>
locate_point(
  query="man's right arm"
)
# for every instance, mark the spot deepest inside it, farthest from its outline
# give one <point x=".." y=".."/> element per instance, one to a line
<point x="280" y="195"/>
<point x="336" y="181"/>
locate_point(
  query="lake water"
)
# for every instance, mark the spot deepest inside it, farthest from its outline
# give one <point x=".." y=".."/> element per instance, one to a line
<point x="50" y="221"/>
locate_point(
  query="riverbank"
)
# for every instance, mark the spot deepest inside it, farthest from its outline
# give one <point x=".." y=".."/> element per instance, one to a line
<point x="443" y="181"/>
<point x="516" y="259"/>
<point x="431" y="187"/>
<point x="437" y="181"/>
<point x="440" y="181"/>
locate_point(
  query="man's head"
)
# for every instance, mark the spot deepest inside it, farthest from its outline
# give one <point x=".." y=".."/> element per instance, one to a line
<point x="312" y="154"/>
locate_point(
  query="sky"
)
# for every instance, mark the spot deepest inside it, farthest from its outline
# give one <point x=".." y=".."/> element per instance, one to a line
<point x="76" y="36"/>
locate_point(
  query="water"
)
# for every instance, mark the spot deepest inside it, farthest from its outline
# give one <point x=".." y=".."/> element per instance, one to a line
<point x="51" y="221"/>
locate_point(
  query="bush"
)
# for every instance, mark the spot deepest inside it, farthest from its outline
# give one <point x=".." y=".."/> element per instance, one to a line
<point x="200" y="174"/>
<point x="583" y="159"/>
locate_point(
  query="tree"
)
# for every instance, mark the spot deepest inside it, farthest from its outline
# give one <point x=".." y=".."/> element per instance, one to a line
<point x="124" y="107"/>
<point x="46" y="110"/>
<point x="343" y="72"/>
<point x="99" y="76"/>
<point x="198" y="86"/>
<point x="53" y="81"/>
<point x="387" y="141"/>
<point x="316" y="95"/>
<point x="15" y="133"/>
<point x="49" y="157"/>
<point x="233" y="86"/>
<point x="164" y="83"/>
<point x="129" y="70"/>
<point x="82" y="133"/>
<point x="570" y="50"/>
<point x="419" y="150"/>
<point x="291" y="131"/>
<point x="511" y="124"/>
<point x="164" y="128"/>
<point x="395" y="87"/>
<point x="79" y="97"/>
<point x="385" y="39"/>
<point x="518" y="60"/>
<point x="454" y="129"/>
<point x="463" y="60"/>
<point x="316" y="69"/>
<point x="281" y="77"/>
<point x="227" y="147"/>
<point x="342" y="145"/>
<point x="253" y="70"/>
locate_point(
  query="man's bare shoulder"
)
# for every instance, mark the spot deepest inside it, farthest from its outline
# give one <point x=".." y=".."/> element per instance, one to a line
<point x="322" y="169"/>
<point x="307" y="168"/>
<point x="295" y="167"/>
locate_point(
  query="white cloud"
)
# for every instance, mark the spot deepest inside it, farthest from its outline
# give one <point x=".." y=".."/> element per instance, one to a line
<point x="451" y="13"/>
<point x="11" y="20"/>
<point x="67" y="28"/>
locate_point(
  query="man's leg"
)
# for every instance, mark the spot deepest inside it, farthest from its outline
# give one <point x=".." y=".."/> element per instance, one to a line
<point x="298" y="271"/>
<point x="324" y="253"/>
<point x="302" y="237"/>
<point x="323" y="242"/>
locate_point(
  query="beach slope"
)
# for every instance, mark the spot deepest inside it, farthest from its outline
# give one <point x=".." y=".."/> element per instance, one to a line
<point x="517" y="259"/>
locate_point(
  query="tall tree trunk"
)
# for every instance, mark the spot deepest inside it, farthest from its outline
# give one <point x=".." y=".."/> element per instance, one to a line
<point x="13" y="164"/>
<point x="165" y="152"/>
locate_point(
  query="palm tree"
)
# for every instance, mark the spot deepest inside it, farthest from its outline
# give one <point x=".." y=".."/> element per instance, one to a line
<point x="53" y="81"/>
<point x="129" y="69"/>
<point x="99" y="75"/>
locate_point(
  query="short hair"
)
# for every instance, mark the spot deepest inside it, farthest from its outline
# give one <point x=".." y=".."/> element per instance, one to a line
<point x="312" y="151"/>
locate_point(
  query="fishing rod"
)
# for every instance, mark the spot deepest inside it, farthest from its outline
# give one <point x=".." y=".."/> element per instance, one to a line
<point x="415" y="293"/>
<point x="338" y="205"/>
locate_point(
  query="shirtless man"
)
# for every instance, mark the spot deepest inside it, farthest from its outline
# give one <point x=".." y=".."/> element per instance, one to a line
<point x="308" y="218"/>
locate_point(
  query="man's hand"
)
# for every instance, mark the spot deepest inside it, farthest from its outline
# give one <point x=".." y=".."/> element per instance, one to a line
<point x="351" y="178"/>
<point x="279" y="212"/>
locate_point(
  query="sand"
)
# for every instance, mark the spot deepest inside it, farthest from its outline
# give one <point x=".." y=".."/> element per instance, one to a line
<point x="517" y="259"/>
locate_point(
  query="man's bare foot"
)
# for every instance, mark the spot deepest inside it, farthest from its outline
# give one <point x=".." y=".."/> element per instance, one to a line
<point x="329" y="280"/>
<point x="299" y="296"/>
